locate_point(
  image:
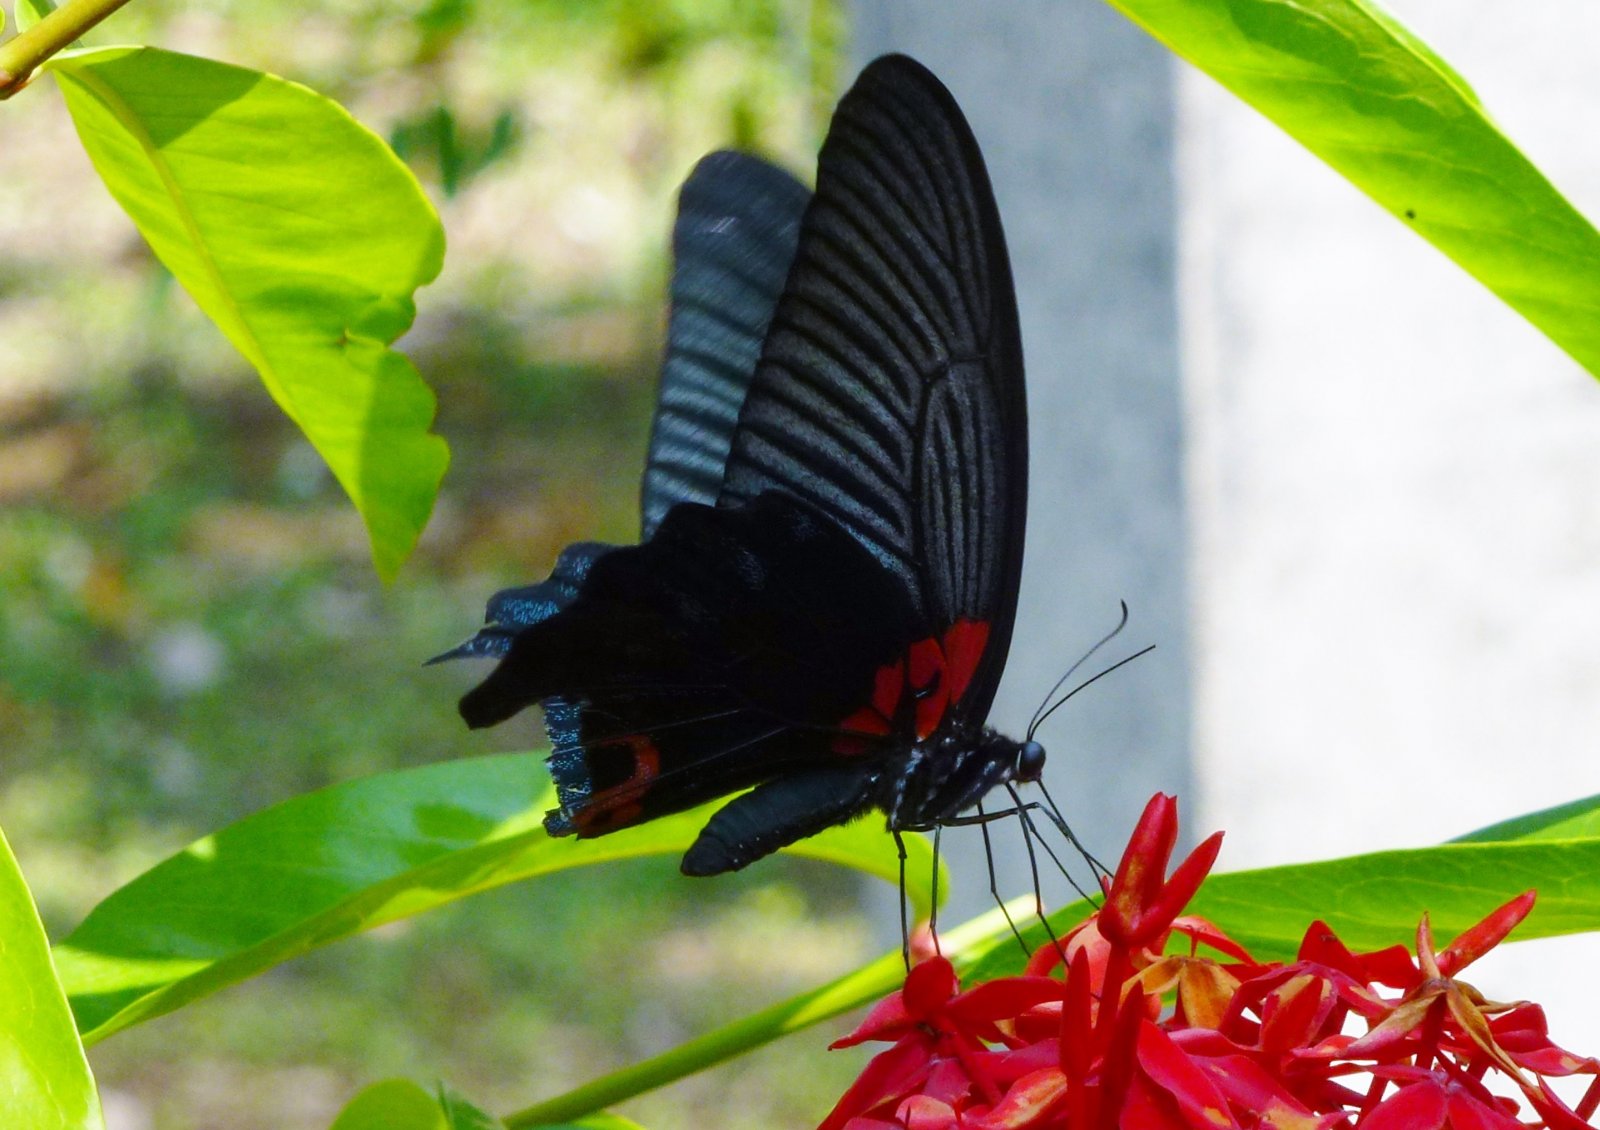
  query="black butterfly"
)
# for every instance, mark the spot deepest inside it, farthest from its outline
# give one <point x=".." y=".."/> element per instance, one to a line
<point x="833" y="510"/>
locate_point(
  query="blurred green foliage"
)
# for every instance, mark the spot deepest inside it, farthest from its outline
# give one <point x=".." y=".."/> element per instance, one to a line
<point x="190" y="628"/>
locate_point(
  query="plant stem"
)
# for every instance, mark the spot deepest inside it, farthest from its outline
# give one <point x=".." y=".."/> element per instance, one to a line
<point x="21" y="56"/>
<point x="866" y="984"/>
<point x="744" y="1034"/>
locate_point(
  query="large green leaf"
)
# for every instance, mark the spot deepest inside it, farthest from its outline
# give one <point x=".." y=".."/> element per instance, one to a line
<point x="1362" y="93"/>
<point x="1576" y="820"/>
<point x="44" y="1079"/>
<point x="329" y="864"/>
<point x="1377" y="899"/>
<point x="300" y="235"/>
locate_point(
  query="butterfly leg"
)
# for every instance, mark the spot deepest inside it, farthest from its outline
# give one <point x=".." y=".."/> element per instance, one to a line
<point x="981" y="817"/>
<point x="905" y="928"/>
<point x="1053" y="812"/>
<point x="933" y="909"/>
<point x="994" y="883"/>
<point x="1029" y="834"/>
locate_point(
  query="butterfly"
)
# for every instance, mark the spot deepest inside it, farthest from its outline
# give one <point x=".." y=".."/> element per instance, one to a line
<point x="832" y="510"/>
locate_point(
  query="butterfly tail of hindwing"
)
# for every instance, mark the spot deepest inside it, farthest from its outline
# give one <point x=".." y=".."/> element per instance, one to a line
<point x="512" y="610"/>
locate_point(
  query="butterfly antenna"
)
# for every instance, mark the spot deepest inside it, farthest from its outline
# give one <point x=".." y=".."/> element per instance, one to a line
<point x="905" y="929"/>
<point x="1105" y="639"/>
<point x="1029" y="833"/>
<point x="1085" y="684"/>
<point x="994" y="883"/>
<point x="933" y="912"/>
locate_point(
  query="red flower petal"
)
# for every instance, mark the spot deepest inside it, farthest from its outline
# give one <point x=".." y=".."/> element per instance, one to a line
<point x="1421" y="1106"/>
<point x="1166" y="1064"/>
<point x="890" y="1076"/>
<point x="1294" y="1015"/>
<point x="1208" y="934"/>
<point x="1468" y="1113"/>
<point x="1478" y="940"/>
<point x="1142" y="902"/>
<point x="1028" y="1103"/>
<point x="1249" y="1087"/>
<point x="1005" y="999"/>
<point x="929" y="986"/>
<point x="1392" y="966"/>
<point x="886" y="1020"/>
<point x="920" y="1112"/>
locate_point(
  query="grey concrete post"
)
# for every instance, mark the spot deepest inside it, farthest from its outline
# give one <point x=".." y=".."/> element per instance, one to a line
<point x="1073" y="109"/>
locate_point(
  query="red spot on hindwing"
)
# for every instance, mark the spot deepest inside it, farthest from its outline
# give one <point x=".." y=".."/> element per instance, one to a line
<point x="887" y="686"/>
<point x="928" y="684"/>
<point x="622" y="803"/>
<point x="934" y="671"/>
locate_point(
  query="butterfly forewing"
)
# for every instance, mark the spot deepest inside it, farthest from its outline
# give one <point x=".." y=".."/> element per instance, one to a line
<point x="843" y="379"/>
<point x="738" y="223"/>
<point x="889" y="392"/>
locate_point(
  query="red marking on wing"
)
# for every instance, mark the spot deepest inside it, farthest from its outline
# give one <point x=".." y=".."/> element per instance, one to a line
<point x="964" y="642"/>
<point x="929" y="685"/>
<point x="936" y="671"/>
<point x="620" y="805"/>
<point x="887" y="686"/>
<point x="874" y="718"/>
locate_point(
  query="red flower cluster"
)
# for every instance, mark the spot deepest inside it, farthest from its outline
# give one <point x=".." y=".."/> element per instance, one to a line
<point x="1134" y="1038"/>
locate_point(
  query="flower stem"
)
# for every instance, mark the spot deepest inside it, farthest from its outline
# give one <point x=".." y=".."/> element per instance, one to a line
<point x="22" y="55"/>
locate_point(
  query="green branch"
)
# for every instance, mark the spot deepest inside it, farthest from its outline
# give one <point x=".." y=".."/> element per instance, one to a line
<point x="876" y="979"/>
<point x="20" y="57"/>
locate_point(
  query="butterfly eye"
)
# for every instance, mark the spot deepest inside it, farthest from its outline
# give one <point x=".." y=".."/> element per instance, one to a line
<point x="1030" y="761"/>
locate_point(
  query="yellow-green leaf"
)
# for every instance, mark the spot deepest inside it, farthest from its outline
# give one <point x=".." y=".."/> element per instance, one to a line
<point x="44" y="1079"/>
<point x="1352" y="85"/>
<point x="329" y="864"/>
<point x="300" y="235"/>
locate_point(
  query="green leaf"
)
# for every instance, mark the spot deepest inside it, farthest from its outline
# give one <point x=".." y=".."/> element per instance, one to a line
<point x="300" y="235"/>
<point x="394" y="1104"/>
<point x="462" y="1115"/>
<point x="1376" y="900"/>
<point x="329" y="864"/>
<point x="44" y="1078"/>
<point x="30" y="12"/>
<point x="1362" y="93"/>
<point x="1579" y="819"/>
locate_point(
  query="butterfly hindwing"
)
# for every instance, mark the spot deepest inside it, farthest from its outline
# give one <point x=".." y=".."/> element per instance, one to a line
<point x="738" y="223"/>
<point x="724" y="651"/>
<point x="511" y="610"/>
<point x="889" y="392"/>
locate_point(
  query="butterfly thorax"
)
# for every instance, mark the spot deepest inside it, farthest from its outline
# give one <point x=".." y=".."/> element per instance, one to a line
<point x="949" y="772"/>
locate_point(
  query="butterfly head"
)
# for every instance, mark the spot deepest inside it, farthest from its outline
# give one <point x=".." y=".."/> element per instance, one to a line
<point x="1030" y="761"/>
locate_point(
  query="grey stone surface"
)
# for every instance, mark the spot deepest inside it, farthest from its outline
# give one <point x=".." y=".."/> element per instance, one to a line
<point x="1393" y="491"/>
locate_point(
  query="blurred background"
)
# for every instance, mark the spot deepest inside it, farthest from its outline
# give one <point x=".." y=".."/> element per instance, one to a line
<point x="1347" y="493"/>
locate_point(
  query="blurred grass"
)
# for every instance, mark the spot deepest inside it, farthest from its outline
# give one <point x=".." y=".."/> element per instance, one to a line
<point x="190" y="630"/>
